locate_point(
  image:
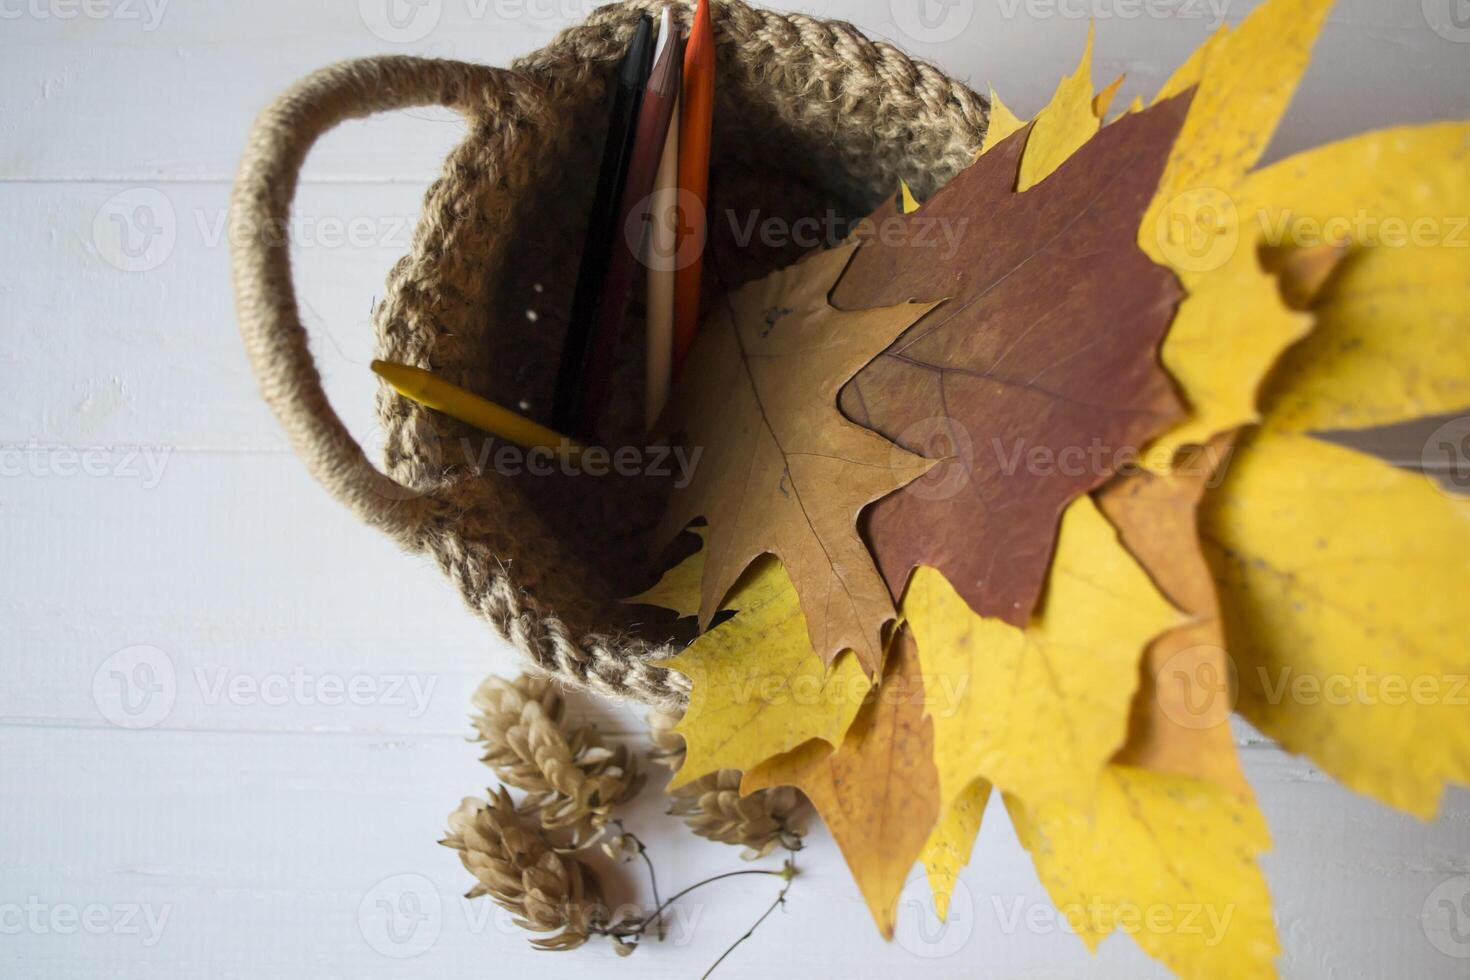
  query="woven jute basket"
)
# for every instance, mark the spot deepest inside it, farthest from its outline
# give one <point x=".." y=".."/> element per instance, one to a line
<point x="812" y="120"/>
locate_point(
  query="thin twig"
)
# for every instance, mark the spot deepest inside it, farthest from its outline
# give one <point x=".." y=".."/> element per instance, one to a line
<point x="652" y="875"/>
<point x="658" y="912"/>
<point x="789" y="871"/>
<point x="653" y="882"/>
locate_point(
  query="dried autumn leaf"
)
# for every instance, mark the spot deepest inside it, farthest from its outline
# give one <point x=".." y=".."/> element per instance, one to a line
<point x="757" y="687"/>
<point x="1233" y="327"/>
<point x="1180" y="722"/>
<point x="1342" y="585"/>
<point x="1002" y="123"/>
<point x="878" y="792"/>
<point x="783" y="472"/>
<point x="1390" y="341"/>
<point x="1339" y="575"/>
<point x="1103" y="100"/>
<point x="1039" y="711"/>
<point x="1181" y="714"/>
<point x="948" y="849"/>
<point x="1230" y="332"/>
<point x="1243" y="80"/>
<point x="678" y="589"/>
<point x="1170" y="861"/>
<point x="1063" y="126"/>
<point x="1180" y="725"/>
<point x="1061" y="382"/>
<point x="1302" y="272"/>
<point x="907" y="204"/>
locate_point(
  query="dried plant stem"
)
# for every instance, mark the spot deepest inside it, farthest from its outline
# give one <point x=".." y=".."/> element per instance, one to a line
<point x="652" y="875"/>
<point x="658" y="912"/>
<point x="789" y="873"/>
<point x="627" y="933"/>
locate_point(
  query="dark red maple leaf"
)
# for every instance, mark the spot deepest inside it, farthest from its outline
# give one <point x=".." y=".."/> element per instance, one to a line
<point x="1037" y="378"/>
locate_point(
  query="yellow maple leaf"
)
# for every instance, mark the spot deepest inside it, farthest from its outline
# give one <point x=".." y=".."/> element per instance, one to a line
<point x="1129" y="860"/>
<point x="1003" y="122"/>
<point x="678" y="589"/>
<point x="1389" y="344"/>
<point x="1103" y="99"/>
<point x="1245" y="80"/>
<point x="1337" y="572"/>
<point x="1062" y="126"/>
<point x="907" y="203"/>
<point x="1229" y="332"/>
<point x="1342" y="587"/>
<point x="1039" y="711"/>
<point x="1167" y="859"/>
<point x="757" y="687"/>
<point x="948" y="849"/>
<point x="1233" y="327"/>
<point x="878" y="792"/>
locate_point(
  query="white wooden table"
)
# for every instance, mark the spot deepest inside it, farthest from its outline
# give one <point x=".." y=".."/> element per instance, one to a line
<point x="232" y="720"/>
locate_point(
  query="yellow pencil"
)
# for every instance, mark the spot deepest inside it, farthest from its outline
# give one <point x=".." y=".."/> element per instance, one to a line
<point x="438" y="394"/>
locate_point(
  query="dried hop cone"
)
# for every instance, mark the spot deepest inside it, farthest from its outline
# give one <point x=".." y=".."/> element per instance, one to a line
<point x="547" y="891"/>
<point x="713" y="807"/>
<point x="569" y="776"/>
<point x="668" y="745"/>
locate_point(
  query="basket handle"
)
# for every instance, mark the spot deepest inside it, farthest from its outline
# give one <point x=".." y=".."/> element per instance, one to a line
<point x="265" y="296"/>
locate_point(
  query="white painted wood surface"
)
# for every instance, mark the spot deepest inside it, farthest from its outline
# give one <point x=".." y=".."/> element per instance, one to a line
<point x="307" y="728"/>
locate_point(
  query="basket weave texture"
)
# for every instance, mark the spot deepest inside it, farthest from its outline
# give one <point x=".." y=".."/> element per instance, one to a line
<point x="813" y="120"/>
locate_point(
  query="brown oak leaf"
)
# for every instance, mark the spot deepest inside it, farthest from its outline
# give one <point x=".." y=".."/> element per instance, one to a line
<point x="1040" y="374"/>
<point x="781" y="471"/>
